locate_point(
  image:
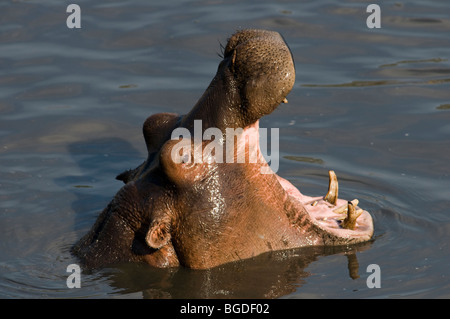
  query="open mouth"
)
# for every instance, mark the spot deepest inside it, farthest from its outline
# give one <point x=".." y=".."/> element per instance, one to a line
<point x="339" y="217"/>
<point x="342" y="218"/>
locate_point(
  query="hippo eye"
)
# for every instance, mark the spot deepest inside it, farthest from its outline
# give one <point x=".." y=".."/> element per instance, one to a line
<point x="185" y="158"/>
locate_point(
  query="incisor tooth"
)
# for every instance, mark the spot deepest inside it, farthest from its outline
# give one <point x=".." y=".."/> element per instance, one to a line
<point x="285" y="100"/>
<point x="333" y="187"/>
<point x="352" y="215"/>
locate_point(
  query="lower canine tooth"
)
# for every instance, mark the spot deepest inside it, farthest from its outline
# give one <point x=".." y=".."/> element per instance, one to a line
<point x="352" y="215"/>
<point x="333" y="187"/>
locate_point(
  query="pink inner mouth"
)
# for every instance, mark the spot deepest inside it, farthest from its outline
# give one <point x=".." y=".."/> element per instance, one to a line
<point x="324" y="215"/>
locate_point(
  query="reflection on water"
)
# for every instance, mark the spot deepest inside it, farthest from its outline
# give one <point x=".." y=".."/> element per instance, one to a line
<point x="371" y="104"/>
<point x="271" y="275"/>
<point x="443" y="107"/>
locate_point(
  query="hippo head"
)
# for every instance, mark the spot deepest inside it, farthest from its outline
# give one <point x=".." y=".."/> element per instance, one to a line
<point x="205" y="195"/>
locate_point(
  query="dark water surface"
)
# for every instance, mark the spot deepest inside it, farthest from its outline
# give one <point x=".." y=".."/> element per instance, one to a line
<point x="371" y="104"/>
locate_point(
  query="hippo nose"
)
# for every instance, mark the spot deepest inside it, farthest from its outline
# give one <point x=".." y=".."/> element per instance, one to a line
<point x="264" y="69"/>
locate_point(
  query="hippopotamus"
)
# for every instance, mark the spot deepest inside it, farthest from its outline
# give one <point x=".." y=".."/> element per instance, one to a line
<point x="191" y="204"/>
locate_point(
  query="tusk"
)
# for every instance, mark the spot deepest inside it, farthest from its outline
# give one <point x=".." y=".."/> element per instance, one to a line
<point x="333" y="187"/>
<point x="352" y="215"/>
<point x="344" y="208"/>
<point x="284" y="101"/>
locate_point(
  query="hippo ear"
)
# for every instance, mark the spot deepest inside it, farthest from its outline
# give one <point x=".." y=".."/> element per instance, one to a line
<point x="158" y="235"/>
<point x="157" y="128"/>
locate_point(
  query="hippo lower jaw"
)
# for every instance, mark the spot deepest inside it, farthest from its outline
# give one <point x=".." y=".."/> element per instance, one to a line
<point x="341" y="221"/>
